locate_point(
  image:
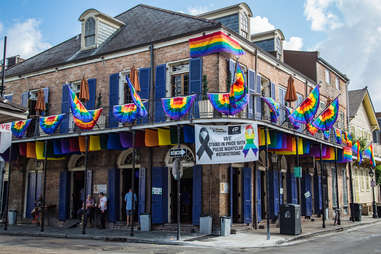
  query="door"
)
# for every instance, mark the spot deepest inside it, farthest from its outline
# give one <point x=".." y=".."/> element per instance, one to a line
<point x="306" y="195"/>
<point x="197" y="191"/>
<point x="247" y="195"/>
<point x="292" y="196"/>
<point x="258" y="197"/>
<point x="318" y="194"/>
<point x="159" y="195"/>
<point x="34" y="191"/>
<point x="274" y="193"/>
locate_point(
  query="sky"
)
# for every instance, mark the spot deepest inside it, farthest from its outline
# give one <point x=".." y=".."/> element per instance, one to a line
<point x="347" y="33"/>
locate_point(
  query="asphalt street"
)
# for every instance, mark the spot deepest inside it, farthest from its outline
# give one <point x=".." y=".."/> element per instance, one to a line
<point x="366" y="239"/>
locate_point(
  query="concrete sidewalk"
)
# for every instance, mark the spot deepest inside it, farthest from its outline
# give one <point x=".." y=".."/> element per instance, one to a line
<point x="246" y="238"/>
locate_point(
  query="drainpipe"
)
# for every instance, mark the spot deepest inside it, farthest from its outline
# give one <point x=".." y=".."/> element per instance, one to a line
<point x="152" y="86"/>
<point x="349" y="163"/>
<point x="256" y="163"/>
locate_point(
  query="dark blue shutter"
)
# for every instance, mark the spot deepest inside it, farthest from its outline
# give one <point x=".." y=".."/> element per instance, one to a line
<point x="251" y="86"/>
<point x="258" y="192"/>
<point x="291" y="189"/>
<point x="65" y="109"/>
<point x="145" y="84"/>
<point x="165" y="194"/>
<point x="280" y="187"/>
<point x="306" y="202"/>
<point x="24" y="99"/>
<point x="274" y="193"/>
<point x="64" y="196"/>
<point x="272" y="90"/>
<point x="142" y="191"/>
<point x="31" y="194"/>
<point x="196" y="198"/>
<point x="9" y="97"/>
<point x="92" y="92"/>
<point x="113" y="99"/>
<point x="246" y="195"/>
<point x="195" y="77"/>
<point x="318" y="194"/>
<point x="160" y="91"/>
<point x="231" y="172"/>
<point x="113" y="194"/>
<point x="159" y="201"/>
<point x="258" y="101"/>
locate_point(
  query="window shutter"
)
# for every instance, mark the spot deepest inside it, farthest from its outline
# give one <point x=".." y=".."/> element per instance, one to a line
<point x="197" y="193"/>
<point x="9" y="97"/>
<point x="92" y="92"/>
<point x="251" y="86"/>
<point x="142" y="191"/>
<point x="272" y="90"/>
<point x="113" y="99"/>
<point x="113" y="194"/>
<point x="195" y="74"/>
<point x="145" y="84"/>
<point x="65" y="109"/>
<point x="24" y="99"/>
<point x="231" y="72"/>
<point x="258" y="102"/>
<point x="246" y="179"/>
<point x="160" y="91"/>
<point x="64" y="196"/>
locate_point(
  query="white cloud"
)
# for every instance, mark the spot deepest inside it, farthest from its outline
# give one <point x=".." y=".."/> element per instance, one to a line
<point x="294" y="43"/>
<point x="354" y="47"/>
<point x="317" y="12"/>
<point x="197" y="10"/>
<point x="25" y="39"/>
<point x="260" y="24"/>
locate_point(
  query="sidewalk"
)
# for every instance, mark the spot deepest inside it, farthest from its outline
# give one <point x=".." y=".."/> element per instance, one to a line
<point x="246" y="238"/>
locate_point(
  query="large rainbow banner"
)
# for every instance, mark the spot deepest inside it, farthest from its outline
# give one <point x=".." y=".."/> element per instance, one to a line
<point x="328" y="118"/>
<point x="214" y="43"/>
<point x="306" y="111"/>
<point x="49" y="124"/>
<point x="177" y="107"/>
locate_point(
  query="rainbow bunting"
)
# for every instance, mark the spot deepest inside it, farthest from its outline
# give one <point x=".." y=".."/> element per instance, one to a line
<point x="274" y="108"/>
<point x="349" y="140"/>
<point x="311" y="129"/>
<point x="347" y="154"/>
<point x="177" y="107"/>
<point x="221" y="103"/>
<point x="88" y="125"/>
<point x="142" y="112"/>
<point x="306" y="111"/>
<point x="238" y="88"/>
<point x="19" y="127"/>
<point x="370" y="154"/>
<point x="214" y="43"/>
<point x="338" y="136"/>
<point x="49" y="124"/>
<point x="79" y="111"/>
<point x="329" y="116"/>
<point x="126" y="113"/>
<point x="326" y="134"/>
<point x="295" y="124"/>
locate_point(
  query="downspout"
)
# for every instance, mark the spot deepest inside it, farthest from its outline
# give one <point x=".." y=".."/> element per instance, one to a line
<point x="349" y="163"/>
<point x="152" y="85"/>
<point x="256" y="163"/>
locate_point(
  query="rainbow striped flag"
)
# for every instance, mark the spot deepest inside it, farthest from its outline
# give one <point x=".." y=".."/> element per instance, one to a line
<point x="214" y="43"/>
<point x="311" y="129"/>
<point x="338" y="136"/>
<point x="18" y="128"/>
<point x="238" y="88"/>
<point x="306" y="111"/>
<point x="274" y="108"/>
<point x="49" y="124"/>
<point x="347" y="154"/>
<point x="88" y="125"/>
<point x="329" y="116"/>
<point x="356" y="149"/>
<point x="177" y="107"/>
<point x="370" y="153"/>
<point x="126" y="113"/>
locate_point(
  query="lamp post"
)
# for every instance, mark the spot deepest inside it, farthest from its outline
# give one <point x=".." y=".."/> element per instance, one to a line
<point x="373" y="183"/>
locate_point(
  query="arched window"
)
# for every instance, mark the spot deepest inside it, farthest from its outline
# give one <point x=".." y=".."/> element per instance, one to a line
<point x="90" y="32"/>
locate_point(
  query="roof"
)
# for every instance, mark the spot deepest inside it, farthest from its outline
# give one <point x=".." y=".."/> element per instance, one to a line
<point x="144" y="25"/>
<point x="259" y="36"/>
<point x="232" y="7"/>
<point x="356" y="98"/>
<point x="10" y="112"/>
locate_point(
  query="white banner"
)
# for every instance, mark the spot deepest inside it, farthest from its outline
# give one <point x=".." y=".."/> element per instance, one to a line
<point x="5" y="137"/>
<point x="226" y="143"/>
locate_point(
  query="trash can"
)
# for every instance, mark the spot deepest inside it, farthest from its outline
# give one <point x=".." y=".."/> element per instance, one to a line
<point x="206" y="225"/>
<point x="290" y="219"/>
<point x="356" y="210"/>
<point x="225" y="225"/>
<point x="378" y="210"/>
<point x="12" y="215"/>
<point x="145" y="222"/>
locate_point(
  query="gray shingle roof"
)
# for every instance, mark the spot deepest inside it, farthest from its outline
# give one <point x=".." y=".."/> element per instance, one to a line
<point x="144" y="25"/>
<point x="355" y="99"/>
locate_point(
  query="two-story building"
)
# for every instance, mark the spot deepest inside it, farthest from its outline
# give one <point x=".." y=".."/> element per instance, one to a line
<point x="156" y="42"/>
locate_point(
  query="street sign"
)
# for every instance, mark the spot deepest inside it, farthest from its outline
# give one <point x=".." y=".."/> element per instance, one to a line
<point x="177" y="166"/>
<point x="177" y="152"/>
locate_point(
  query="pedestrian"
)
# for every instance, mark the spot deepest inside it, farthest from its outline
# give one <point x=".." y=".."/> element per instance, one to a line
<point x="129" y="206"/>
<point x="103" y="209"/>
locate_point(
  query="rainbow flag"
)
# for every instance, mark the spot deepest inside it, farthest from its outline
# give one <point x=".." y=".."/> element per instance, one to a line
<point x="274" y="108"/>
<point x="142" y="112"/>
<point x="49" y="124"/>
<point x="221" y="103"/>
<point x="347" y="154"/>
<point x="177" y="107"/>
<point x="238" y="88"/>
<point x="79" y="111"/>
<point x="126" y="113"/>
<point x="311" y="129"/>
<point x="295" y="124"/>
<point x="306" y="111"/>
<point x="356" y="149"/>
<point x="88" y="125"/>
<point x="18" y="128"/>
<point x="214" y="43"/>
<point x="338" y="136"/>
<point x="329" y="116"/>
<point x="326" y="134"/>
<point x="370" y="154"/>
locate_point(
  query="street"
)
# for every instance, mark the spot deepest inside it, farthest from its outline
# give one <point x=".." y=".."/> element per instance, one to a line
<point x="364" y="239"/>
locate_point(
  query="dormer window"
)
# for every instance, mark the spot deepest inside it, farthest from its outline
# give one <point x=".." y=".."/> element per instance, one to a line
<point x="244" y="25"/>
<point x="90" y="32"/>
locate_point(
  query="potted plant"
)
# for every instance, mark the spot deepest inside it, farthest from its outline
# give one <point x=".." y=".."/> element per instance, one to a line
<point x="204" y="105"/>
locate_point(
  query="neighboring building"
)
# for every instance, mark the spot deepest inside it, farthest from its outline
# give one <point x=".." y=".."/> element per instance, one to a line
<point x="156" y="42"/>
<point x="363" y="123"/>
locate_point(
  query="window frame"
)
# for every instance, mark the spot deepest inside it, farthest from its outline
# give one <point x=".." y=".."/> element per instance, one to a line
<point x="337" y="83"/>
<point x="327" y="76"/>
<point x="171" y="72"/>
<point x="88" y="33"/>
<point x="244" y="25"/>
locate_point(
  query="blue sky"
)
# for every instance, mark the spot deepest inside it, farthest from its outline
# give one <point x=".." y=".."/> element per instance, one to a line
<point x="346" y="32"/>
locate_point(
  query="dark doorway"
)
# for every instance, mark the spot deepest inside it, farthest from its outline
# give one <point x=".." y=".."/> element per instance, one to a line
<point x="78" y="194"/>
<point x="126" y="185"/>
<point x="264" y="193"/>
<point x="236" y="196"/>
<point x="186" y="187"/>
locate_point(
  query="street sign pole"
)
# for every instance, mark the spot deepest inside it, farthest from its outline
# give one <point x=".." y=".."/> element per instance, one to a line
<point x="178" y="186"/>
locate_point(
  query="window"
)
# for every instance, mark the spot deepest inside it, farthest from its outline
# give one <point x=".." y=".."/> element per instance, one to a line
<point x="90" y="32"/>
<point x="345" y="188"/>
<point x="244" y="25"/>
<point x="179" y="79"/>
<point x="282" y="96"/>
<point x="126" y="96"/>
<point x="76" y="87"/>
<point x="367" y="180"/>
<point x="337" y="83"/>
<point x="327" y="77"/>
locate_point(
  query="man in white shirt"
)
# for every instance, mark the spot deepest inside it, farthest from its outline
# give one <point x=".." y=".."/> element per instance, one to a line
<point x="103" y="207"/>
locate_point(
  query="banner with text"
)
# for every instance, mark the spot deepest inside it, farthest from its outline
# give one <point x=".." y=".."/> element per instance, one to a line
<point x="226" y="144"/>
<point x="5" y="136"/>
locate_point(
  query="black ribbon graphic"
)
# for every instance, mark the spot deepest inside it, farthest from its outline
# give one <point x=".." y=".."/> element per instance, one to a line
<point x="204" y="144"/>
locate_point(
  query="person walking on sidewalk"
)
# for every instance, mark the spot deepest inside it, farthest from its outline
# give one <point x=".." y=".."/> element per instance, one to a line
<point x="103" y="209"/>
<point x="129" y="206"/>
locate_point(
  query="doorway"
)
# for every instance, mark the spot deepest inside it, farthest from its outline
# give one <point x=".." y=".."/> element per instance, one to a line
<point x="34" y="191"/>
<point x="126" y="185"/>
<point x="186" y="197"/>
<point x="78" y="192"/>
